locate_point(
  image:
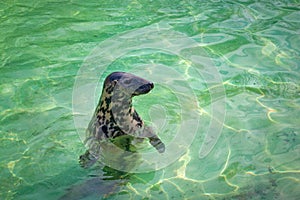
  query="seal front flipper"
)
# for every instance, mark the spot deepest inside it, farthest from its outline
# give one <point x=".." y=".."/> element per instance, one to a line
<point x="87" y="160"/>
<point x="157" y="144"/>
<point x="153" y="139"/>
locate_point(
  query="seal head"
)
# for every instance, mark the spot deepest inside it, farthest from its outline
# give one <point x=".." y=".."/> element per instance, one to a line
<point x="129" y="84"/>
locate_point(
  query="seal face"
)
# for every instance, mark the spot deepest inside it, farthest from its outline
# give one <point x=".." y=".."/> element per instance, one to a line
<point x="115" y="120"/>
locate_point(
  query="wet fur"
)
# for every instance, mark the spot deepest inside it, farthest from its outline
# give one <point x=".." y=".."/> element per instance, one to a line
<point x="115" y="120"/>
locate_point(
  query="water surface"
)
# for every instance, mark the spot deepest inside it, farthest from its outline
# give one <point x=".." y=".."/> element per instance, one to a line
<point x="232" y="67"/>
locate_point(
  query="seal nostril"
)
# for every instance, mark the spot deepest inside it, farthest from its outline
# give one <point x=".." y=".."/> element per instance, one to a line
<point x="151" y="85"/>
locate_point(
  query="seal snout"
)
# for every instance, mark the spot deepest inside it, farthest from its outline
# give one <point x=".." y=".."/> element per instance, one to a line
<point x="143" y="89"/>
<point x="151" y="85"/>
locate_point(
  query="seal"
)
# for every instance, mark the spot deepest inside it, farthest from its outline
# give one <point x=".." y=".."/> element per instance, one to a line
<point x="116" y="121"/>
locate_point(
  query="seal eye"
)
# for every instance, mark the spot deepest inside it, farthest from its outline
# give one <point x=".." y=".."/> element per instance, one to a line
<point x="127" y="82"/>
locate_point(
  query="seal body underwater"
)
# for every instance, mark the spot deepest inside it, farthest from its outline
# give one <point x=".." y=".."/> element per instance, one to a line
<point x="115" y="121"/>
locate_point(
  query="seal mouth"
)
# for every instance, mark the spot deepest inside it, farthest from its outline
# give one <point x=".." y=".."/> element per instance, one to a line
<point x="143" y="89"/>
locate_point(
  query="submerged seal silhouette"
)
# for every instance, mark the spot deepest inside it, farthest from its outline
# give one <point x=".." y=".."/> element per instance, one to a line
<point x="115" y="120"/>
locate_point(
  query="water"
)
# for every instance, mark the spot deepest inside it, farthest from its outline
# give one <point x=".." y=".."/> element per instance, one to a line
<point x="226" y="96"/>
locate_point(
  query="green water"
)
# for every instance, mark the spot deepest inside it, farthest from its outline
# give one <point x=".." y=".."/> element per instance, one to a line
<point x="232" y="66"/>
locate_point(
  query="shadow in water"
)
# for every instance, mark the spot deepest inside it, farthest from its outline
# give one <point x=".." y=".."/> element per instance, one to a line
<point x="110" y="182"/>
<point x="102" y="180"/>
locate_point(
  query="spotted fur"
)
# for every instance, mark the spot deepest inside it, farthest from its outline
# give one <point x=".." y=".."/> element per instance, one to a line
<point x="116" y="118"/>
